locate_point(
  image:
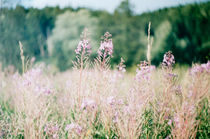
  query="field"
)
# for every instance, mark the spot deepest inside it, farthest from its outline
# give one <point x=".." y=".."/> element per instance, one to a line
<point x="95" y="101"/>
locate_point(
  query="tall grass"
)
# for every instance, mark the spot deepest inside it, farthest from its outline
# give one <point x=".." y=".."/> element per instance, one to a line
<point x="97" y="102"/>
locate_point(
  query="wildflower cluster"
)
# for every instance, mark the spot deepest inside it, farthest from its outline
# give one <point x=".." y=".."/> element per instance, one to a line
<point x="106" y="47"/>
<point x="144" y="71"/>
<point x="34" y="80"/>
<point x="121" y="66"/>
<point x="196" y="69"/>
<point x="113" y="101"/>
<point x="92" y="102"/>
<point x="114" y="105"/>
<point x="73" y="127"/>
<point x="119" y="73"/>
<point x="167" y="66"/>
<point x="84" y="44"/>
<point x="168" y="60"/>
<point x="88" y="103"/>
<point x="51" y="130"/>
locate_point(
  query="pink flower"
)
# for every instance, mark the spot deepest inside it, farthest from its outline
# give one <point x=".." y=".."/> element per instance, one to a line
<point x="196" y="69"/>
<point x="55" y="136"/>
<point x="206" y="66"/>
<point x="170" y="122"/>
<point x="79" y="48"/>
<point x="113" y="101"/>
<point x="168" y="59"/>
<point x="51" y="130"/>
<point x="88" y="103"/>
<point x="83" y="45"/>
<point x="70" y="126"/>
<point x="74" y="127"/>
<point x="177" y="121"/>
<point x="144" y="71"/>
<point x="121" y="66"/>
<point x="106" y="47"/>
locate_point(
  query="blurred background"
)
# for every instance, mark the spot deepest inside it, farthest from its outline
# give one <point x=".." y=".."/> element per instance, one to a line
<point x="50" y="30"/>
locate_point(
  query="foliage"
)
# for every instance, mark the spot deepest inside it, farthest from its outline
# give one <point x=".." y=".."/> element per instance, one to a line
<point x="65" y="36"/>
<point x="50" y="34"/>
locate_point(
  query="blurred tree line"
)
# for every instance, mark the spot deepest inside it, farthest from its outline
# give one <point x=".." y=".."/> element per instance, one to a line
<point x="51" y="34"/>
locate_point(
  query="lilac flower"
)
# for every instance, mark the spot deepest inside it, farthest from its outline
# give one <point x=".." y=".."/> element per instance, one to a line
<point x="168" y="59"/>
<point x="83" y="45"/>
<point x="48" y="91"/>
<point x="143" y="73"/>
<point x="169" y="122"/>
<point x="190" y="109"/>
<point x="88" y="103"/>
<point x="106" y="47"/>
<point x="51" y="130"/>
<point x="177" y="121"/>
<point x="43" y="89"/>
<point x="79" y="48"/>
<point x="177" y="89"/>
<point x="74" y="127"/>
<point x="121" y="66"/>
<point x="120" y="101"/>
<point x="55" y="136"/>
<point x="127" y="109"/>
<point x="196" y="69"/>
<point x="70" y="126"/>
<point x="113" y="101"/>
<point x="30" y="76"/>
<point x="206" y="66"/>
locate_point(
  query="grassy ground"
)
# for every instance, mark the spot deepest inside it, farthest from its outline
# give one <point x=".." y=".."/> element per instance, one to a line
<point x="105" y="103"/>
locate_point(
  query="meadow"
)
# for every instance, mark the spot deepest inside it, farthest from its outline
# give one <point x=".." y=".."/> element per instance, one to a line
<point x="94" y="100"/>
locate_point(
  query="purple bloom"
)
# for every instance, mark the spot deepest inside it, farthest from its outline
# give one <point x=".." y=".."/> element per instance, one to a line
<point x="55" y="136"/>
<point x="70" y="126"/>
<point x="113" y="101"/>
<point x="51" y="130"/>
<point x="206" y="66"/>
<point x="48" y="91"/>
<point x="196" y="69"/>
<point x="83" y="45"/>
<point x="143" y="73"/>
<point x="88" y="103"/>
<point x="31" y="76"/>
<point x="106" y="47"/>
<point x="170" y="122"/>
<point x="121" y="66"/>
<point x="168" y="59"/>
<point x="177" y="121"/>
<point x="74" y="127"/>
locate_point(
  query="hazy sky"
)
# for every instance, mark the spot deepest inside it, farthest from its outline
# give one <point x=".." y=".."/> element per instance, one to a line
<point x="109" y="5"/>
